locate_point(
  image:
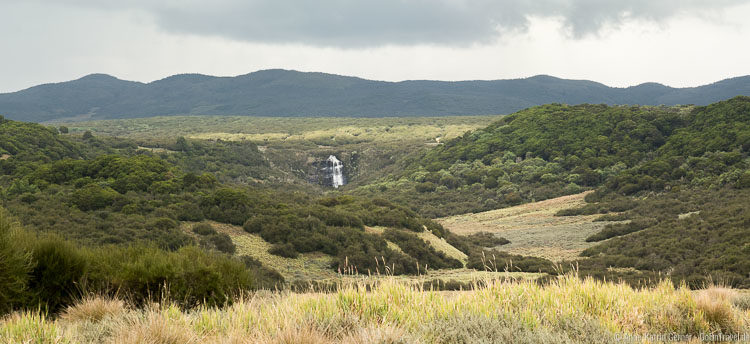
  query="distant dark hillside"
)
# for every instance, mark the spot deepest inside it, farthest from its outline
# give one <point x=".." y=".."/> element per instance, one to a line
<point x="291" y="93"/>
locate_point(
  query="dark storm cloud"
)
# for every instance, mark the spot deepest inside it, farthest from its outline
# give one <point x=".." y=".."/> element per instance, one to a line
<point x="349" y="23"/>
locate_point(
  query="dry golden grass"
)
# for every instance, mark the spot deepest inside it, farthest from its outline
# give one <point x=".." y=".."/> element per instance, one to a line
<point x="441" y="245"/>
<point x="532" y="228"/>
<point x="92" y="308"/>
<point x="157" y="327"/>
<point x="716" y="304"/>
<point x="569" y="310"/>
<point x="380" y="334"/>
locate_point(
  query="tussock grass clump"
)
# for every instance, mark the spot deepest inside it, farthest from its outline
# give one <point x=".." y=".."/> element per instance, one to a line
<point x="715" y="303"/>
<point x="742" y="301"/>
<point x="567" y="310"/>
<point x="162" y="326"/>
<point x="92" y="308"/>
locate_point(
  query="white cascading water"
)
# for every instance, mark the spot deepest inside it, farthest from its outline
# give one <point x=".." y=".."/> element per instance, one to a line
<point x="336" y="170"/>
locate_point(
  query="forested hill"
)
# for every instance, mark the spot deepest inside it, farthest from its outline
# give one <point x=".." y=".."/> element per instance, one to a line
<point x="552" y="150"/>
<point x="291" y="93"/>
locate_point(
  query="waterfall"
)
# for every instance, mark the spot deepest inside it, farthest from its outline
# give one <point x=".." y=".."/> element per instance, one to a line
<point x="335" y="169"/>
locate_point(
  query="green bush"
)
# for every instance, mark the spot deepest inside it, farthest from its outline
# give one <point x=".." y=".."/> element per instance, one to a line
<point x="494" y="260"/>
<point x="92" y="197"/>
<point x="283" y="250"/>
<point x="189" y="276"/>
<point x="58" y="273"/>
<point x="267" y="278"/>
<point x="425" y="187"/>
<point x="188" y="211"/>
<point x="204" y="229"/>
<point x="220" y="242"/>
<point x="484" y="239"/>
<point x="15" y="265"/>
<point x="618" y="229"/>
<point x="162" y="223"/>
<point x="713" y="242"/>
<point x="420" y="250"/>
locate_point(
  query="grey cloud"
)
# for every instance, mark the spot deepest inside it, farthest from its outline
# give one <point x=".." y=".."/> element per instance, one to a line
<point x="349" y="23"/>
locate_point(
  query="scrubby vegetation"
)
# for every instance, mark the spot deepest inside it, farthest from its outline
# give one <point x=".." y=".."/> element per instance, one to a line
<point x="484" y="239"/>
<point x="649" y="165"/>
<point x="494" y="260"/>
<point x="697" y="237"/>
<point x="118" y="195"/>
<point x="49" y="272"/>
<point x="553" y="150"/>
<point x="148" y="218"/>
<point x="104" y="215"/>
<point x="32" y="142"/>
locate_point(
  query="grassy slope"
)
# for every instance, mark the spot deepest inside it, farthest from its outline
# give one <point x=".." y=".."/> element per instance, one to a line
<point x="532" y="228"/>
<point x="569" y="310"/>
<point x="316" y="266"/>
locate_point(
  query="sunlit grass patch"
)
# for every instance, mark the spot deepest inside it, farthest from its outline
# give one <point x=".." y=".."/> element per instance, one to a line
<point x="441" y="245"/>
<point x="533" y="229"/>
<point x="31" y="327"/>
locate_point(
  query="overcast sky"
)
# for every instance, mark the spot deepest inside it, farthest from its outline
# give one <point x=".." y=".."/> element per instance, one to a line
<point x="617" y="42"/>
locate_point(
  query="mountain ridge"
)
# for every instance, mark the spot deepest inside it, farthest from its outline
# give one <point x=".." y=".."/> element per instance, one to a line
<point x="278" y="92"/>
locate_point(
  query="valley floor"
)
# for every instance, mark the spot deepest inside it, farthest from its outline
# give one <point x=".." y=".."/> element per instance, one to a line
<point x="533" y="229"/>
<point x="569" y="310"/>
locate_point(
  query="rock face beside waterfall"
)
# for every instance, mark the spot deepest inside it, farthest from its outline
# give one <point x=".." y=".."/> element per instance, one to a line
<point x="334" y="172"/>
<point x="327" y="172"/>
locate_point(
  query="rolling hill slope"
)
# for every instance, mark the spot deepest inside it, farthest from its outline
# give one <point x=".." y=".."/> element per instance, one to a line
<point x="291" y="93"/>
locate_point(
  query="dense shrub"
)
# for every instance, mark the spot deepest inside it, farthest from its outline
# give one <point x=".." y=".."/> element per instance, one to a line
<point x="49" y="272"/>
<point x="220" y="242"/>
<point x="484" y="239"/>
<point x="32" y="142"/>
<point x="228" y="206"/>
<point x="618" y="229"/>
<point x="204" y="229"/>
<point x="15" y="265"/>
<point x="266" y="277"/>
<point x="57" y="277"/>
<point x="494" y="260"/>
<point x="283" y="250"/>
<point x="190" y="275"/>
<point x="92" y="197"/>
<point x="694" y="235"/>
<point x="420" y="250"/>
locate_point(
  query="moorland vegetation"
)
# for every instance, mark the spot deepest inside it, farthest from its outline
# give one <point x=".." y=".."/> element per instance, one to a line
<point x="110" y="212"/>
